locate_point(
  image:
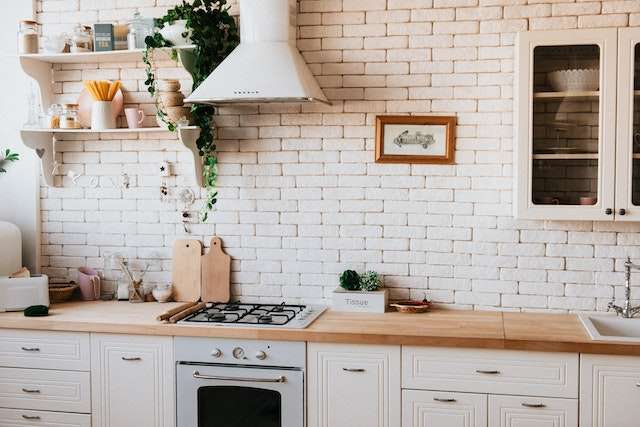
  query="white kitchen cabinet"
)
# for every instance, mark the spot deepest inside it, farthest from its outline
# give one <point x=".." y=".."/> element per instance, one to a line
<point x="524" y="411"/>
<point x="443" y="409"/>
<point x="133" y="381"/>
<point x="27" y="418"/>
<point x="353" y="385"/>
<point x="565" y="146"/>
<point x="609" y="391"/>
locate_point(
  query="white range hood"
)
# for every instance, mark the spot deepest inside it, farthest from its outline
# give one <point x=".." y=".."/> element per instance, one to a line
<point x="266" y="66"/>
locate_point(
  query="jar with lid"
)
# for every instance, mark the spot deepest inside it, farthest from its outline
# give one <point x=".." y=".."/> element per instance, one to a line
<point x="81" y="41"/>
<point x="53" y="116"/>
<point x="28" y="37"/>
<point x="141" y="28"/>
<point x="69" y="117"/>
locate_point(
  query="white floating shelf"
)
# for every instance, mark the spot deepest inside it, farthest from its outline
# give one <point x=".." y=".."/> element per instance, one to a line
<point x="576" y="95"/>
<point x="571" y="156"/>
<point x="43" y="142"/>
<point x="97" y="57"/>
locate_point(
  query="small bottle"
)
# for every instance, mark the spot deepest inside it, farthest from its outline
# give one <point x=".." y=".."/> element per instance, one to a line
<point x="132" y="38"/>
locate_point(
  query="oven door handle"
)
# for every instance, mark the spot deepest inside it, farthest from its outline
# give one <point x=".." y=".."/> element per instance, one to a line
<point x="280" y="379"/>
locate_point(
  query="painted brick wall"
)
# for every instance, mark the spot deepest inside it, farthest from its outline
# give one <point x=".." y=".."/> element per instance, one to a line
<point x="300" y="196"/>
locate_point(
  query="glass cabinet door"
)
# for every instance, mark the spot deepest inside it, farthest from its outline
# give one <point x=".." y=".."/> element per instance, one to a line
<point x="565" y="142"/>
<point x="628" y="154"/>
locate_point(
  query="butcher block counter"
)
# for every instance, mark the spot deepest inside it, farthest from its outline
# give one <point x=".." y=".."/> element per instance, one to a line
<point x="443" y="328"/>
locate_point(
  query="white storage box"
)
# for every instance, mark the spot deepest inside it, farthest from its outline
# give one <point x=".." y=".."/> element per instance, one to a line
<point x="18" y="294"/>
<point x="360" y="301"/>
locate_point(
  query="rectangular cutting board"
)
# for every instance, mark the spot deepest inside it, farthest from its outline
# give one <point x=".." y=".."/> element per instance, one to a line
<point x="186" y="270"/>
<point x="216" y="273"/>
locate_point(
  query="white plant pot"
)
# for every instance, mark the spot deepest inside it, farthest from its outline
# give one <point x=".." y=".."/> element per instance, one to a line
<point x="360" y="301"/>
<point x="174" y="33"/>
<point x="102" y="116"/>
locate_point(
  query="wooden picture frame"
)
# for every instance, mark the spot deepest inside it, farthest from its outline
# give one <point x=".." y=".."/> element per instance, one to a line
<point x="411" y="137"/>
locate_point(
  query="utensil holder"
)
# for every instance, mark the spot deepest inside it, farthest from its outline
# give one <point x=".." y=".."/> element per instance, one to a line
<point x="102" y="116"/>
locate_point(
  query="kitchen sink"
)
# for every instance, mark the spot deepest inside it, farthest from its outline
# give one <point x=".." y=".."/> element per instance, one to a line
<point x="611" y="328"/>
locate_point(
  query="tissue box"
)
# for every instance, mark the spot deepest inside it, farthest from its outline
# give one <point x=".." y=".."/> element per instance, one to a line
<point x="18" y="294"/>
<point x="360" y="301"/>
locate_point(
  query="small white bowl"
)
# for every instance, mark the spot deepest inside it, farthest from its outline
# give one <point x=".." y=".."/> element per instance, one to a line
<point x="574" y="79"/>
<point x="162" y="293"/>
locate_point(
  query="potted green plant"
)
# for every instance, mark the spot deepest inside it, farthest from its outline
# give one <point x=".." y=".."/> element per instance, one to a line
<point x="360" y="293"/>
<point x="7" y="157"/>
<point x="214" y="33"/>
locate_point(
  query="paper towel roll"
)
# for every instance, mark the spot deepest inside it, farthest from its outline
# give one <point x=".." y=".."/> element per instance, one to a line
<point x="10" y="249"/>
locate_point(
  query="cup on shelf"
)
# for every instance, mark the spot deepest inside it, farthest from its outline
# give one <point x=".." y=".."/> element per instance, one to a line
<point x="135" y="117"/>
<point x="587" y="200"/>
<point x="102" y="116"/>
<point x="89" y="282"/>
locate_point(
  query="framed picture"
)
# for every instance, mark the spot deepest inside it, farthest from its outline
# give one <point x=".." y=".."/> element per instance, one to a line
<point x="415" y="139"/>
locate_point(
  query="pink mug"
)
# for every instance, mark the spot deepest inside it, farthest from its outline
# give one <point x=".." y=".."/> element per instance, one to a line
<point x="135" y="117"/>
<point x="89" y="282"/>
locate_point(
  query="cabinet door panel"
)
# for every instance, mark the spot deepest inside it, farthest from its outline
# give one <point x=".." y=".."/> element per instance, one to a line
<point x="353" y="385"/>
<point x="443" y="409"/>
<point x="523" y="411"/>
<point x="609" y="391"/>
<point x="22" y="418"/>
<point x="133" y="381"/>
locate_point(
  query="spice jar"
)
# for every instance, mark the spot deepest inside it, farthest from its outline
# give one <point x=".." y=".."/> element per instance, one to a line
<point x="81" y="41"/>
<point x="69" y="117"/>
<point x="53" y="116"/>
<point x="28" y="37"/>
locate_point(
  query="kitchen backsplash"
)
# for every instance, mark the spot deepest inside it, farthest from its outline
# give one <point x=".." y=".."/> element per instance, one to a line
<point x="300" y="197"/>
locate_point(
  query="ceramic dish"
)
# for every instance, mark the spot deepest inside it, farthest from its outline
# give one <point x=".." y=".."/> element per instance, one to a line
<point x="412" y="306"/>
<point x="85" y="104"/>
<point x="574" y="79"/>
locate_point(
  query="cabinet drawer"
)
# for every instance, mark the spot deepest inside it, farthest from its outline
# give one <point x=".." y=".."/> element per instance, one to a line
<point x="443" y="409"/>
<point x="490" y="371"/>
<point x="63" y="391"/>
<point x="526" y="411"/>
<point x="44" y="350"/>
<point x="18" y="417"/>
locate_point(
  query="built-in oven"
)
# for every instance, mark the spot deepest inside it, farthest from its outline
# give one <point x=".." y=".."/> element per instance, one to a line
<point x="231" y="383"/>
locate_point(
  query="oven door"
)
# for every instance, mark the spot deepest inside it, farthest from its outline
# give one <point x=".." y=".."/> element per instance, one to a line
<point x="239" y="396"/>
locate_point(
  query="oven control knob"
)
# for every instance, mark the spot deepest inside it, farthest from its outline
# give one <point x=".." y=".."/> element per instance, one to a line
<point x="261" y="355"/>
<point x="216" y="353"/>
<point x="238" y="353"/>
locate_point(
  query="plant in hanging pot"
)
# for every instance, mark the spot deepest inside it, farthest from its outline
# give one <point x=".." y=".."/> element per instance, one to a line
<point x="208" y="26"/>
<point x="360" y="292"/>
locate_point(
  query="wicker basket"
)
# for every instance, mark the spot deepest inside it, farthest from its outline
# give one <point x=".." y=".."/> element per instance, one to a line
<point x="61" y="292"/>
<point x="412" y="306"/>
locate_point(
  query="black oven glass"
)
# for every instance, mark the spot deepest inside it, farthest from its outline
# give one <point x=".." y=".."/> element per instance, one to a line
<point x="224" y="406"/>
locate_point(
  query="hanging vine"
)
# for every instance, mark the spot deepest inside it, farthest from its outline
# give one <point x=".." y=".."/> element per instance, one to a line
<point x="215" y="34"/>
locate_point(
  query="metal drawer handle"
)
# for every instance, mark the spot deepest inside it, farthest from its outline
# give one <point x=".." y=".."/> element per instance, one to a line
<point x="280" y="379"/>
<point x="444" y="400"/>
<point x="482" y="371"/>
<point x="30" y="390"/>
<point x="32" y="349"/>
<point x="131" y="359"/>
<point x="353" y="369"/>
<point x="31" y="417"/>
<point x="637" y="384"/>
<point x="534" y="405"/>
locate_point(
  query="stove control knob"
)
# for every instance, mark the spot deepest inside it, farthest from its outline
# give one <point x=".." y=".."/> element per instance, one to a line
<point x="261" y="355"/>
<point x="216" y="353"/>
<point x="238" y="353"/>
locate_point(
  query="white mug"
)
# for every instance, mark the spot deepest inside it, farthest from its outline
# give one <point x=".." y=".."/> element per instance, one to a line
<point x="135" y="117"/>
<point x="102" y="116"/>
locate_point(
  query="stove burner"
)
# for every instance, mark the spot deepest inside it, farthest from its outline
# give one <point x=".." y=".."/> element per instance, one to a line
<point x="246" y="314"/>
<point x="265" y="319"/>
<point x="216" y="317"/>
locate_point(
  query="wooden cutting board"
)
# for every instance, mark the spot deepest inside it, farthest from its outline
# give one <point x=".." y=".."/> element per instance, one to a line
<point x="216" y="274"/>
<point x="186" y="270"/>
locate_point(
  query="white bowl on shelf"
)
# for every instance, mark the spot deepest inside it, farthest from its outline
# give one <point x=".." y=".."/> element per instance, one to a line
<point x="574" y="80"/>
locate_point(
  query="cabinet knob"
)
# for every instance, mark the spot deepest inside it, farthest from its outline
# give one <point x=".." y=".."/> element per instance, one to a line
<point x="608" y="211"/>
<point x="622" y="212"/>
<point x="216" y="353"/>
<point x="261" y="355"/>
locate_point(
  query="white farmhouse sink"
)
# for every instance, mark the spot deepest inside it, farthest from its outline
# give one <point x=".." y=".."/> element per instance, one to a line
<point x="612" y="328"/>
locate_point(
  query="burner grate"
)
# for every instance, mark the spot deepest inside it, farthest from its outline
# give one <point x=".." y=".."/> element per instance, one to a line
<point x="248" y="314"/>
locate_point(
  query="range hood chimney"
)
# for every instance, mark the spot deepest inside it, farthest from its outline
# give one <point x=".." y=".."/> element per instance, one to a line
<point x="266" y="66"/>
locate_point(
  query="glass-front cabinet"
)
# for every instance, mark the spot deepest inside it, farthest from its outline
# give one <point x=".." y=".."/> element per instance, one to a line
<point x="565" y="122"/>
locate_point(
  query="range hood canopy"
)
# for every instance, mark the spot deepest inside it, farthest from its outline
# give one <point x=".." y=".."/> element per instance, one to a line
<point x="266" y="66"/>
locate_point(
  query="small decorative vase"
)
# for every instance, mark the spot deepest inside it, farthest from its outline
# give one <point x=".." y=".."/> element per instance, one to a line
<point x="102" y="116"/>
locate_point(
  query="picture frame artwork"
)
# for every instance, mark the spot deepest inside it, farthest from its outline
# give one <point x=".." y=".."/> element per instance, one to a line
<point x="415" y="139"/>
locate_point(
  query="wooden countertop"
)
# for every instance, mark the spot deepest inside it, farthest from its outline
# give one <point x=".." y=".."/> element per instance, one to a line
<point x="450" y="328"/>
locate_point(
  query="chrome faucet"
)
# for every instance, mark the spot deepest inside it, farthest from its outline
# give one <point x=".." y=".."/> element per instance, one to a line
<point x="627" y="311"/>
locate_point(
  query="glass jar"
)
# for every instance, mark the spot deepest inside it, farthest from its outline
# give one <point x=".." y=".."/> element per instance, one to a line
<point x="82" y="41"/>
<point x="141" y="27"/>
<point x="28" y="37"/>
<point x="53" y="116"/>
<point x="69" y="117"/>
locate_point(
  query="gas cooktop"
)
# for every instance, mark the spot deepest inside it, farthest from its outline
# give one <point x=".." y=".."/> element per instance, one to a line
<point x="260" y="315"/>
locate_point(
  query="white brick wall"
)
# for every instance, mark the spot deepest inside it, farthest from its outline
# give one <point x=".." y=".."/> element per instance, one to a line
<point x="300" y="196"/>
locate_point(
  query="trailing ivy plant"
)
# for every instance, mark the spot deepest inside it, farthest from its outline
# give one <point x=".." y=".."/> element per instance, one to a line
<point x="7" y="156"/>
<point x="215" y="34"/>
